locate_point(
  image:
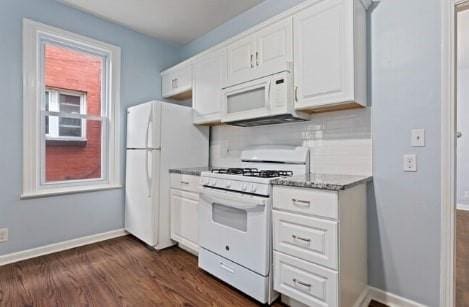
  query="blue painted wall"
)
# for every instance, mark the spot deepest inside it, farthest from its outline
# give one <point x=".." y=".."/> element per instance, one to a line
<point x="404" y="208"/>
<point x="43" y="221"/>
<point x="404" y="217"/>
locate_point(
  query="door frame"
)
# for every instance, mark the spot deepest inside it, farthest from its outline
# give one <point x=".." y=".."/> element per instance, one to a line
<point x="448" y="150"/>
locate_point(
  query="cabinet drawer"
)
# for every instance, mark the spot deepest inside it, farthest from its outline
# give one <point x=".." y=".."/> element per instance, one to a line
<point x="185" y="182"/>
<point x="306" y="201"/>
<point x="247" y="281"/>
<point x="308" y="238"/>
<point x="305" y="282"/>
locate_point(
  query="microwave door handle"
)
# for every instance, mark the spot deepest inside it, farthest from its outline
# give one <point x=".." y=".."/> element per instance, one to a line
<point x="229" y="203"/>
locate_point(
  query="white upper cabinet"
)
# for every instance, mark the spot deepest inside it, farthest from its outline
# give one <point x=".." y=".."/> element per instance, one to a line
<point x="262" y="53"/>
<point x="177" y="82"/>
<point x="241" y="63"/>
<point x="322" y="43"/>
<point x="330" y="55"/>
<point x="274" y="52"/>
<point x="209" y="76"/>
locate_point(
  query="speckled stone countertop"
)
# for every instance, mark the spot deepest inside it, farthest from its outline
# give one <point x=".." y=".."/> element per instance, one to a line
<point x="322" y="181"/>
<point x="194" y="171"/>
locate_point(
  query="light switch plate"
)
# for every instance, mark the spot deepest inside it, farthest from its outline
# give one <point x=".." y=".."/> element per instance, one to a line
<point x="418" y="137"/>
<point x="410" y="163"/>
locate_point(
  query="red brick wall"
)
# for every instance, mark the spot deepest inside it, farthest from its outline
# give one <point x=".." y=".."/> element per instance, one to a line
<point x="77" y="71"/>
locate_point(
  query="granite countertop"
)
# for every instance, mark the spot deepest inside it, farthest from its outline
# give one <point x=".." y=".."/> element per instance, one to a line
<point x="322" y="181"/>
<point x="194" y="171"/>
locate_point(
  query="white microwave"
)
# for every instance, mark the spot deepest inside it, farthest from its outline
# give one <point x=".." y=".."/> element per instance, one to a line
<point x="264" y="101"/>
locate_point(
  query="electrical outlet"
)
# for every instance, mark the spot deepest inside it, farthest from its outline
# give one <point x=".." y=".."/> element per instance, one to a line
<point x="3" y="234"/>
<point x="410" y="163"/>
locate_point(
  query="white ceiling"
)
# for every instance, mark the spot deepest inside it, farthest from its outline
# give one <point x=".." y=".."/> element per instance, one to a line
<point x="179" y="21"/>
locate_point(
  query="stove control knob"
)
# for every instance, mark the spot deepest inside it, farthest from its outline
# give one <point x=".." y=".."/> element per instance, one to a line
<point x="212" y="182"/>
<point x="244" y="187"/>
<point x="253" y="188"/>
<point x="227" y="184"/>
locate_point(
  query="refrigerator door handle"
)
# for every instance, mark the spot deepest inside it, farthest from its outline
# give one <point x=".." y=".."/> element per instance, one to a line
<point x="147" y="135"/>
<point x="148" y="155"/>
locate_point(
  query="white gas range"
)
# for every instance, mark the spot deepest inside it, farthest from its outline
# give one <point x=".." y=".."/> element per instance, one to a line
<point x="235" y="217"/>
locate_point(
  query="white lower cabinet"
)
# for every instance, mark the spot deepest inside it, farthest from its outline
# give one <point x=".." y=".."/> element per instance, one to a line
<point x="320" y="256"/>
<point x="184" y="197"/>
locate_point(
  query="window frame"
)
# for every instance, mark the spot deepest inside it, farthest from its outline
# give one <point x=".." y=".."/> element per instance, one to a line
<point x="35" y="35"/>
<point x="55" y="93"/>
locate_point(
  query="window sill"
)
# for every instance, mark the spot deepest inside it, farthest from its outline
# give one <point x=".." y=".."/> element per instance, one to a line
<point x="69" y="190"/>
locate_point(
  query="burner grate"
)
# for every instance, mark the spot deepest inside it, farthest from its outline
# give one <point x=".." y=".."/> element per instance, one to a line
<point x="253" y="172"/>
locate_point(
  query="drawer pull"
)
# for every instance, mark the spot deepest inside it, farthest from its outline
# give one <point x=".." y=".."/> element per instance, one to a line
<point x="296" y="281"/>
<point x="303" y="203"/>
<point x="184" y="182"/>
<point x="295" y="237"/>
<point x="226" y="268"/>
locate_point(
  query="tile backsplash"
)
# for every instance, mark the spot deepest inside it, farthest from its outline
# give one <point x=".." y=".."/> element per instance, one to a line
<point x="339" y="142"/>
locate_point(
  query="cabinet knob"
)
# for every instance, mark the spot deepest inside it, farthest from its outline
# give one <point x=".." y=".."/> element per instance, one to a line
<point x="257" y="58"/>
<point x="174" y="83"/>
<point x="296" y="93"/>
<point x="252" y="60"/>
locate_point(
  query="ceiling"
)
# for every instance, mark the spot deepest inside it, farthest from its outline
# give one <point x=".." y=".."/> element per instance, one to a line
<point x="178" y="21"/>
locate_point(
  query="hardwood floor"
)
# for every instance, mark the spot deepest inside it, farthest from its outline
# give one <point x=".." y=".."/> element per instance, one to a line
<point x="462" y="258"/>
<point x="118" y="272"/>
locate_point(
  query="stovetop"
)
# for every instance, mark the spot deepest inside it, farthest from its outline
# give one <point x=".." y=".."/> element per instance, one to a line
<point x="253" y="172"/>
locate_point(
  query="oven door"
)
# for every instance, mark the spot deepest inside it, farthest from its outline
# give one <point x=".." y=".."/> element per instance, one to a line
<point x="236" y="226"/>
<point x="247" y="100"/>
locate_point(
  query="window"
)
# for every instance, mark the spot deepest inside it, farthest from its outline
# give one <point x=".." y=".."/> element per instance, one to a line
<point x="71" y="118"/>
<point x="67" y="103"/>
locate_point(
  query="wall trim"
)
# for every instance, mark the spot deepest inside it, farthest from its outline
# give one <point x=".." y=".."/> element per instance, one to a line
<point x="389" y="299"/>
<point x="462" y="207"/>
<point x="60" y="246"/>
<point x="448" y="152"/>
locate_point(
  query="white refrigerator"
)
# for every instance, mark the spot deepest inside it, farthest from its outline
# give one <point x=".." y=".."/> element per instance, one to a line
<point x="160" y="136"/>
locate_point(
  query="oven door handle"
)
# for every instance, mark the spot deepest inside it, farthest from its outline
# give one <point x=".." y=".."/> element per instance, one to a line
<point x="238" y="204"/>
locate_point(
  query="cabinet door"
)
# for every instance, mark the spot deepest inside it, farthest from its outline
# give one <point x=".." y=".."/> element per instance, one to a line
<point x="177" y="81"/>
<point x="241" y="62"/>
<point x="323" y="53"/>
<point x="209" y="76"/>
<point x="184" y="218"/>
<point x="274" y="48"/>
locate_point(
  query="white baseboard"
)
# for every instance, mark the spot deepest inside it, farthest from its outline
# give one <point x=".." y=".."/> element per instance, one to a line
<point x="61" y="246"/>
<point x="389" y="299"/>
<point x="364" y="298"/>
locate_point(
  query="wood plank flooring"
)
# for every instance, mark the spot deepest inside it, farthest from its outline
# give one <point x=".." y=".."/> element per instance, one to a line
<point x="462" y="258"/>
<point x="118" y="272"/>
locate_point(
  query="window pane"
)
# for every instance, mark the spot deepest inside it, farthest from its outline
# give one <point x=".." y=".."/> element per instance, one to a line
<point x="73" y="146"/>
<point x="68" y="159"/>
<point x="70" y="100"/>
<point x="76" y="71"/>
